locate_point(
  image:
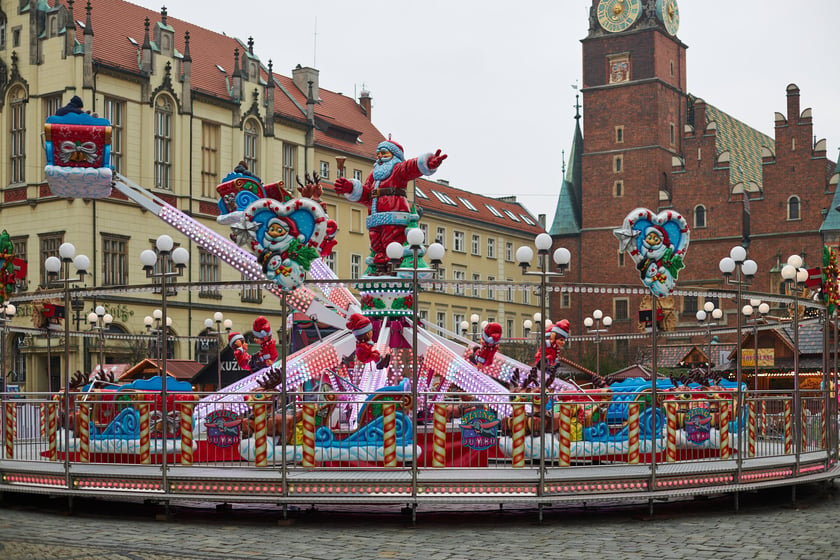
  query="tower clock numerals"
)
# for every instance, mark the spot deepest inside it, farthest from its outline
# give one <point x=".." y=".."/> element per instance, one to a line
<point x="618" y="15"/>
<point x="669" y="14"/>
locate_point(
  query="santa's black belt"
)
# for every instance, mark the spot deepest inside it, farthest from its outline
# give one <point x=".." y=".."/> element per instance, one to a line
<point x="387" y="192"/>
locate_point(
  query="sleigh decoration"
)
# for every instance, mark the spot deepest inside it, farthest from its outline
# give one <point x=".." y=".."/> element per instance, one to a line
<point x="78" y="150"/>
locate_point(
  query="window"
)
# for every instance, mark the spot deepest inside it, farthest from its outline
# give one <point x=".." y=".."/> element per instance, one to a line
<point x="526" y="296"/>
<point x="440" y="237"/>
<point x="17" y="135"/>
<point x="527" y="220"/>
<point x="208" y="271"/>
<point x="114" y="260"/>
<point x="491" y="248"/>
<point x="476" y="244"/>
<point x="468" y="204"/>
<point x="425" y="229"/>
<point x="494" y="211"/>
<point x="2" y="31"/>
<point x="114" y="111"/>
<point x="163" y="142"/>
<point x="355" y="266"/>
<point x="510" y="289"/>
<point x="420" y="193"/>
<point x="713" y="300"/>
<point x="325" y="169"/>
<point x="491" y="289"/>
<point x="509" y="327"/>
<point x="441" y="275"/>
<point x="793" y="208"/>
<point x="456" y="322"/>
<point x="511" y="215"/>
<point x="205" y="346"/>
<point x="49" y="243"/>
<point x="618" y="164"/>
<point x="565" y="299"/>
<point x="618" y="189"/>
<point x="508" y="251"/>
<point x="621" y="308"/>
<point x="476" y="288"/>
<point x="252" y="146"/>
<point x="690" y="305"/>
<point x="52" y="103"/>
<point x="673" y="134"/>
<point x="289" y="164"/>
<point x="209" y="159"/>
<point x="16" y="37"/>
<point x="699" y="216"/>
<point x="251" y="293"/>
<point x="357" y="174"/>
<point x="458" y="243"/>
<point x="460" y="276"/>
<point x="19" y="244"/>
<point x="444" y="198"/>
<point x="619" y="135"/>
<point x="441" y="319"/>
<point x="330" y="261"/>
<point x="355" y="220"/>
<point x="620" y="258"/>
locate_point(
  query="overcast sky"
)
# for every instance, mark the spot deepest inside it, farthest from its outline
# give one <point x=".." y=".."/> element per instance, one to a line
<point x="491" y="82"/>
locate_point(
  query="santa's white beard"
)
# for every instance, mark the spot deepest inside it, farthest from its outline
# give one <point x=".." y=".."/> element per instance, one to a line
<point x="382" y="171"/>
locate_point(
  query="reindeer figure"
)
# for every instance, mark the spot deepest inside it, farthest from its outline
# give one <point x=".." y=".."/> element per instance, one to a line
<point x="312" y="189"/>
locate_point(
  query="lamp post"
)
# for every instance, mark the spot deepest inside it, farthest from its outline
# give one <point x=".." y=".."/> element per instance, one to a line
<point x="527" y="325"/>
<point x="710" y="313"/>
<point x="561" y="258"/>
<point x="474" y="318"/>
<point x="464" y="326"/>
<point x="100" y="321"/>
<point x="754" y="311"/>
<point x="7" y="313"/>
<point x="153" y="324"/>
<point x="596" y="320"/>
<point x="415" y="238"/>
<point x="794" y="274"/>
<point x="53" y="265"/>
<point x="172" y="265"/>
<point x="219" y="319"/>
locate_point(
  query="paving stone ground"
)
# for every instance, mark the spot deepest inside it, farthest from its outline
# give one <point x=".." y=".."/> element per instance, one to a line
<point x="768" y="526"/>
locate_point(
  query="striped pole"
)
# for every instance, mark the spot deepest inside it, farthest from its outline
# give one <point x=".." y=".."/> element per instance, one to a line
<point x="518" y="444"/>
<point x="564" y="434"/>
<point x="84" y="432"/>
<point x="788" y="428"/>
<point x="671" y="444"/>
<point x="42" y="418"/>
<point x="389" y="428"/>
<point x="186" y="420"/>
<point x="52" y="428"/>
<point x="11" y="411"/>
<point x="260" y="435"/>
<point x="725" y="451"/>
<point x="751" y="429"/>
<point x="308" y="441"/>
<point x="822" y="426"/>
<point x="763" y="418"/>
<point x="439" y="437"/>
<point x="804" y="426"/>
<point x="633" y="433"/>
<point x="145" y="431"/>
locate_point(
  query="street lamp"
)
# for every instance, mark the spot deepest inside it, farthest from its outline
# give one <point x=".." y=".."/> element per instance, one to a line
<point x="53" y="265"/>
<point x="463" y="326"/>
<point x="474" y="318"/>
<point x="100" y="321"/>
<point x="596" y="320"/>
<point x="153" y="324"/>
<point x="219" y="319"/>
<point x="527" y="325"/>
<point x="172" y="265"/>
<point x="710" y="313"/>
<point x="561" y="258"/>
<point x="756" y="309"/>
<point x="7" y="313"/>
<point x="794" y="274"/>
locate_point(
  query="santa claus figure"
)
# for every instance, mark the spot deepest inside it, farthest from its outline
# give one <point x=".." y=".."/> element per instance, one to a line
<point x="268" y="348"/>
<point x="240" y="350"/>
<point x="362" y="329"/>
<point x="384" y="193"/>
<point x="483" y="355"/>
<point x="555" y="339"/>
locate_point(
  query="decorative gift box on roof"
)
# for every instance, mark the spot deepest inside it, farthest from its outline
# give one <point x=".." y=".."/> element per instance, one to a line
<point x="78" y="150"/>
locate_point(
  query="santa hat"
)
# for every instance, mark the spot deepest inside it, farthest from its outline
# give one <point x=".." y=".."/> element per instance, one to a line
<point x="492" y="333"/>
<point x="234" y="336"/>
<point x="392" y="147"/>
<point x="288" y="225"/>
<point x="561" y="328"/>
<point x="261" y="327"/>
<point x="359" y="324"/>
<point x="548" y="332"/>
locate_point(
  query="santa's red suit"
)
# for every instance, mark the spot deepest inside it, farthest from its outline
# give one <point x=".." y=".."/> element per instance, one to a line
<point x="365" y="352"/>
<point x="240" y="350"/>
<point x="268" y="348"/>
<point x="389" y="210"/>
<point x="484" y="355"/>
<point x="555" y="339"/>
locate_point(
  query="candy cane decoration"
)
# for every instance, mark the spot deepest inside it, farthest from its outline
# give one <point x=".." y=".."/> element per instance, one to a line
<point x="804" y="425"/>
<point x="633" y="433"/>
<point x="671" y="443"/>
<point x="84" y="432"/>
<point x="724" y="430"/>
<point x="564" y="435"/>
<point x="42" y="418"/>
<point x="389" y="428"/>
<point x="52" y="427"/>
<point x="822" y="427"/>
<point x="145" y="431"/>
<point x="788" y="429"/>
<point x="751" y="429"/>
<point x="186" y="420"/>
<point x="439" y="436"/>
<point x="11" y="422"/>
<point x="763" y="418"/>
<point x="518" y="451"/>
<point x="308" y="453"/>
<point x="259" y="403"/>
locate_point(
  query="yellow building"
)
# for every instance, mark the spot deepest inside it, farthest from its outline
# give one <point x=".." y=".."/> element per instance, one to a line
<point x="186" y="105"/>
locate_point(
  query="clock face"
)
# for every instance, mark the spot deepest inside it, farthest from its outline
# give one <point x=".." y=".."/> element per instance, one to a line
<point x="669" y="14"/>
<point x="618" y="15"/>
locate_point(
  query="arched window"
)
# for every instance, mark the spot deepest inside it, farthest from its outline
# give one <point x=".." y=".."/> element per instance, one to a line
<point x="163" y="142"/>
<point x="699" y="216"/>
<point x="251" y="148"/>
<point x="793" y="208"/>
<point x="17" y="135"/>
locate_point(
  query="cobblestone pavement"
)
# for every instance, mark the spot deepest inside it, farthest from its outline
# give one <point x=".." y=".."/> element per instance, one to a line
<point x="767" y="526"/>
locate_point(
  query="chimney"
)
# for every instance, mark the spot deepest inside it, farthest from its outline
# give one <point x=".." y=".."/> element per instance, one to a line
<point x="302" y="76"/>
<point x="365" y="101"/>
<point x="793" y="103"/>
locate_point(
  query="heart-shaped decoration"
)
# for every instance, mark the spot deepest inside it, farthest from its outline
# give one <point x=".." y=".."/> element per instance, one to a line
<point x="657" y="243"/>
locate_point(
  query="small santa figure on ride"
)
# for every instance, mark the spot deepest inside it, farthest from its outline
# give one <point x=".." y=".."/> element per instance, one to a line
<point x="268" y="348"/>
<point x="483" y="356"/>
<point x="240" y="350"/>
<point x="362" y="329"/>
<point x="555" y="339"/>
